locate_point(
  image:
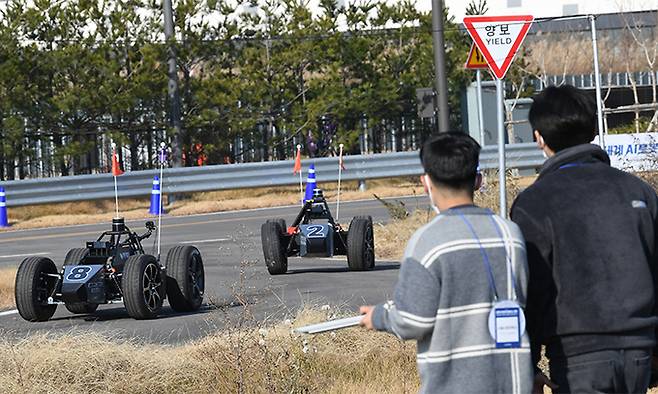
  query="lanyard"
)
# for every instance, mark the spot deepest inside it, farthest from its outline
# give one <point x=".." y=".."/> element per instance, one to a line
<point x="485" y="256"/>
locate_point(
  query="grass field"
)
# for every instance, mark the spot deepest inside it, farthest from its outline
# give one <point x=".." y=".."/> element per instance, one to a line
<point x="260" y="360"/>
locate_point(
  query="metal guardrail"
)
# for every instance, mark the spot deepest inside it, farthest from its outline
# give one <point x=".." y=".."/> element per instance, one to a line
<point x="237" y="176"/>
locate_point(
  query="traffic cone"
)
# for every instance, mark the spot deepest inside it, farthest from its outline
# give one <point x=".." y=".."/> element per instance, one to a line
<point x="156" y="200"/>
<point x="310" y="183"/>
<point x="3" y="208"/>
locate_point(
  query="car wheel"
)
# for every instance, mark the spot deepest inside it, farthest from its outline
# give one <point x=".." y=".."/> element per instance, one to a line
<point x="35" y="282"/>
<point x="185" y="278"/>
<point x="143" y="286"/>
<point x="361" y="244"/>
<point x="274" y="250"/>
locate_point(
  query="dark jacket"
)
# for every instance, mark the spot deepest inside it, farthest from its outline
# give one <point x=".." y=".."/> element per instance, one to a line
<point x="591" y="239"/>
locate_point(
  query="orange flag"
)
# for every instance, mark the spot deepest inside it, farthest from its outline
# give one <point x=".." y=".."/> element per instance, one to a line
<point x="298" y="162"/>
<point x="116" y="170"/>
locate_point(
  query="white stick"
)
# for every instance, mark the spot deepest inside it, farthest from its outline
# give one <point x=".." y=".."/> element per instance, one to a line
<point x="340" y="171"/>
<point x="162" y="147"/>
<point x="330" y="325"/>
<point x="116" y="197"/>
<point x="301" y="183"/>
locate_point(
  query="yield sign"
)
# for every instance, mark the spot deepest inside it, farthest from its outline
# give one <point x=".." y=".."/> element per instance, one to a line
<point x="498" y="38"/>
<point x="475" y="59"/>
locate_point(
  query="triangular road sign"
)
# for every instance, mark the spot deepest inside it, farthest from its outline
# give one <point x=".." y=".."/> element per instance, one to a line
<point x="498" y="38"/>
<point x="475" y="59"/>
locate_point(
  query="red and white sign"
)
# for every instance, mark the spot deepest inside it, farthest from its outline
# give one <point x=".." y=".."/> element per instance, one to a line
<point x="498" y="38"/>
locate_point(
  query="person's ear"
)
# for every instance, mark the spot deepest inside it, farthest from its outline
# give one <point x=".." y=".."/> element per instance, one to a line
<point x="478" y="181"/>
<point x="424" y="180"/>
<point x="540" y="140"/>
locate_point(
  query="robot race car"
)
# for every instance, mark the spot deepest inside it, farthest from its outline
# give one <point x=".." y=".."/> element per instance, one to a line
<point x="314" y="233"/>
<point x="112" y="269"/>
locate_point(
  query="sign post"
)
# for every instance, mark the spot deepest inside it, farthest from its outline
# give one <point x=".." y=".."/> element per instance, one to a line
<point x="499" y="38"/>
<point x="477" y="62"/>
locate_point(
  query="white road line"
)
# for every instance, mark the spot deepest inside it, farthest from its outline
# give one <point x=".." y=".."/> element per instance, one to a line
<point x="9" y="256"/>
<point x="205" y="241"/>
<point x="7" y="313"/>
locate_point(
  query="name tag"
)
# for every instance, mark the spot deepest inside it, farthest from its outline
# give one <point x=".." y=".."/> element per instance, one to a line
<point x="507" y="324"/>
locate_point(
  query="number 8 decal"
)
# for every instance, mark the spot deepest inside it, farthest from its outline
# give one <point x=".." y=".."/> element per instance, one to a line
<point x="78" y="273"/>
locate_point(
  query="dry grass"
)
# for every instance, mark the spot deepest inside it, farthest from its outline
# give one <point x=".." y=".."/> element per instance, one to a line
<point x="264" y="360"/>
<point x="7" y="278"/>
<point x="85" y="212"/>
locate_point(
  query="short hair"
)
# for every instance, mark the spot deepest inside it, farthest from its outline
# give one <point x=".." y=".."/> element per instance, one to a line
<point x="564" y="116"/>
<point x="451" y="160"/>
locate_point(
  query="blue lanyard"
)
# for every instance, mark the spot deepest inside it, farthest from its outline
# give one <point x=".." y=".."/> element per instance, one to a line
<point x="485" y="256"/>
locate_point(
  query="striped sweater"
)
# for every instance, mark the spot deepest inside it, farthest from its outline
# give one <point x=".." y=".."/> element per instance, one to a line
<point x="443" y="299"/>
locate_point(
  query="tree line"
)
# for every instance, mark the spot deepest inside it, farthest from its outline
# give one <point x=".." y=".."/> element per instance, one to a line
<point x="255" y="79"/>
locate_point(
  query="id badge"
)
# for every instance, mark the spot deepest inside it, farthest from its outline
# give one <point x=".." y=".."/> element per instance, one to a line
<point x="507" y="324"/>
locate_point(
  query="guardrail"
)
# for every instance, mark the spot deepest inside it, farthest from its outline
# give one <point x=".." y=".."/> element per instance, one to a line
<point x="237" y="176"/>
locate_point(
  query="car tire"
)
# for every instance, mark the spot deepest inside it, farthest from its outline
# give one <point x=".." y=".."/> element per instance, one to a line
<point x="144" y="286"/>
<point x="33" y="287"/>
<point x="274" y="250"/>
<point x="281" y="222"/>
<point x="185" y="278"/>
<point x="361" y="244"/>
<point x="74" y="256"/>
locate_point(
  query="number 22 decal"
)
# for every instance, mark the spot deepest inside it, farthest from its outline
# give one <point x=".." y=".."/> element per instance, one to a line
<point x="315" y="232"/>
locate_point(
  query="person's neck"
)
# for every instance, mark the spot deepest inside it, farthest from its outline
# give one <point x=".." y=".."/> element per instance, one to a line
<point x="447" y="202"/>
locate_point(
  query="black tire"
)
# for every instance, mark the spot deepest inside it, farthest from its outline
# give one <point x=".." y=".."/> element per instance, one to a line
<point x="361" y="244"/>
<point x="274" y="250"/>
<point x="73" y="257"/>
<point x="33" y="287"/>
<point x="144" y="286"/>
<point x="185" y="278"/>
<point x="281" y="222"/>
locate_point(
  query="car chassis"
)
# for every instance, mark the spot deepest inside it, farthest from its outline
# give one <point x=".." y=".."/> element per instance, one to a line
<point x="309" y="238"/>
<point x="112" y="269"/>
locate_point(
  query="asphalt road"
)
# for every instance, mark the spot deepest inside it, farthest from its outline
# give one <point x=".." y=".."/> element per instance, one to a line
<point x="239" y="289"/>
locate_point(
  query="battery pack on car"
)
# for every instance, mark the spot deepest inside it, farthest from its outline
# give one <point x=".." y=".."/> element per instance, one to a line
<point x="316" y="240"/>
<point x="83" y="283"/>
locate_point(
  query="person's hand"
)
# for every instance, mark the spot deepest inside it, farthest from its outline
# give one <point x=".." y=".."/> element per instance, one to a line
<point x="540" y="381"/>
<point x="366" y="321"/>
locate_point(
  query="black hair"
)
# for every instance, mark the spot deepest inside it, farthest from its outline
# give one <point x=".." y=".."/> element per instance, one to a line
<point x="564" y="116"/>
<point x="451" y="160"/>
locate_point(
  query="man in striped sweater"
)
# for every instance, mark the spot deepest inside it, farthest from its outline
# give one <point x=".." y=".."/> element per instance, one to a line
<point x="453" y="271"/>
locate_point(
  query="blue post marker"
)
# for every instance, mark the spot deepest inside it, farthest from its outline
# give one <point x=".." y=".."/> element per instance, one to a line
<point x="3" y="208"/>
<point x="310" y="183"/>
<point x="156" y="200"/>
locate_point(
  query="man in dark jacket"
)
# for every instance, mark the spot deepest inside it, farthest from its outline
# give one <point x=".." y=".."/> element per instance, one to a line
<point x="591" y="240"/>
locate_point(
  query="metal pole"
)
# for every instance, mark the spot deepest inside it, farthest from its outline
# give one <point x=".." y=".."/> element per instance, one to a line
<point x="597" y="74"/>
<point x="440" y="64"/>
<point x="478" y="76"/>
<point x="501" y="147"/>
<point x="174" y="96"/>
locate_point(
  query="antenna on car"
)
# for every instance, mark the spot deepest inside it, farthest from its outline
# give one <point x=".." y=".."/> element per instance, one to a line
<point x="341" y="167"/>
<point x="162" y="156"/>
